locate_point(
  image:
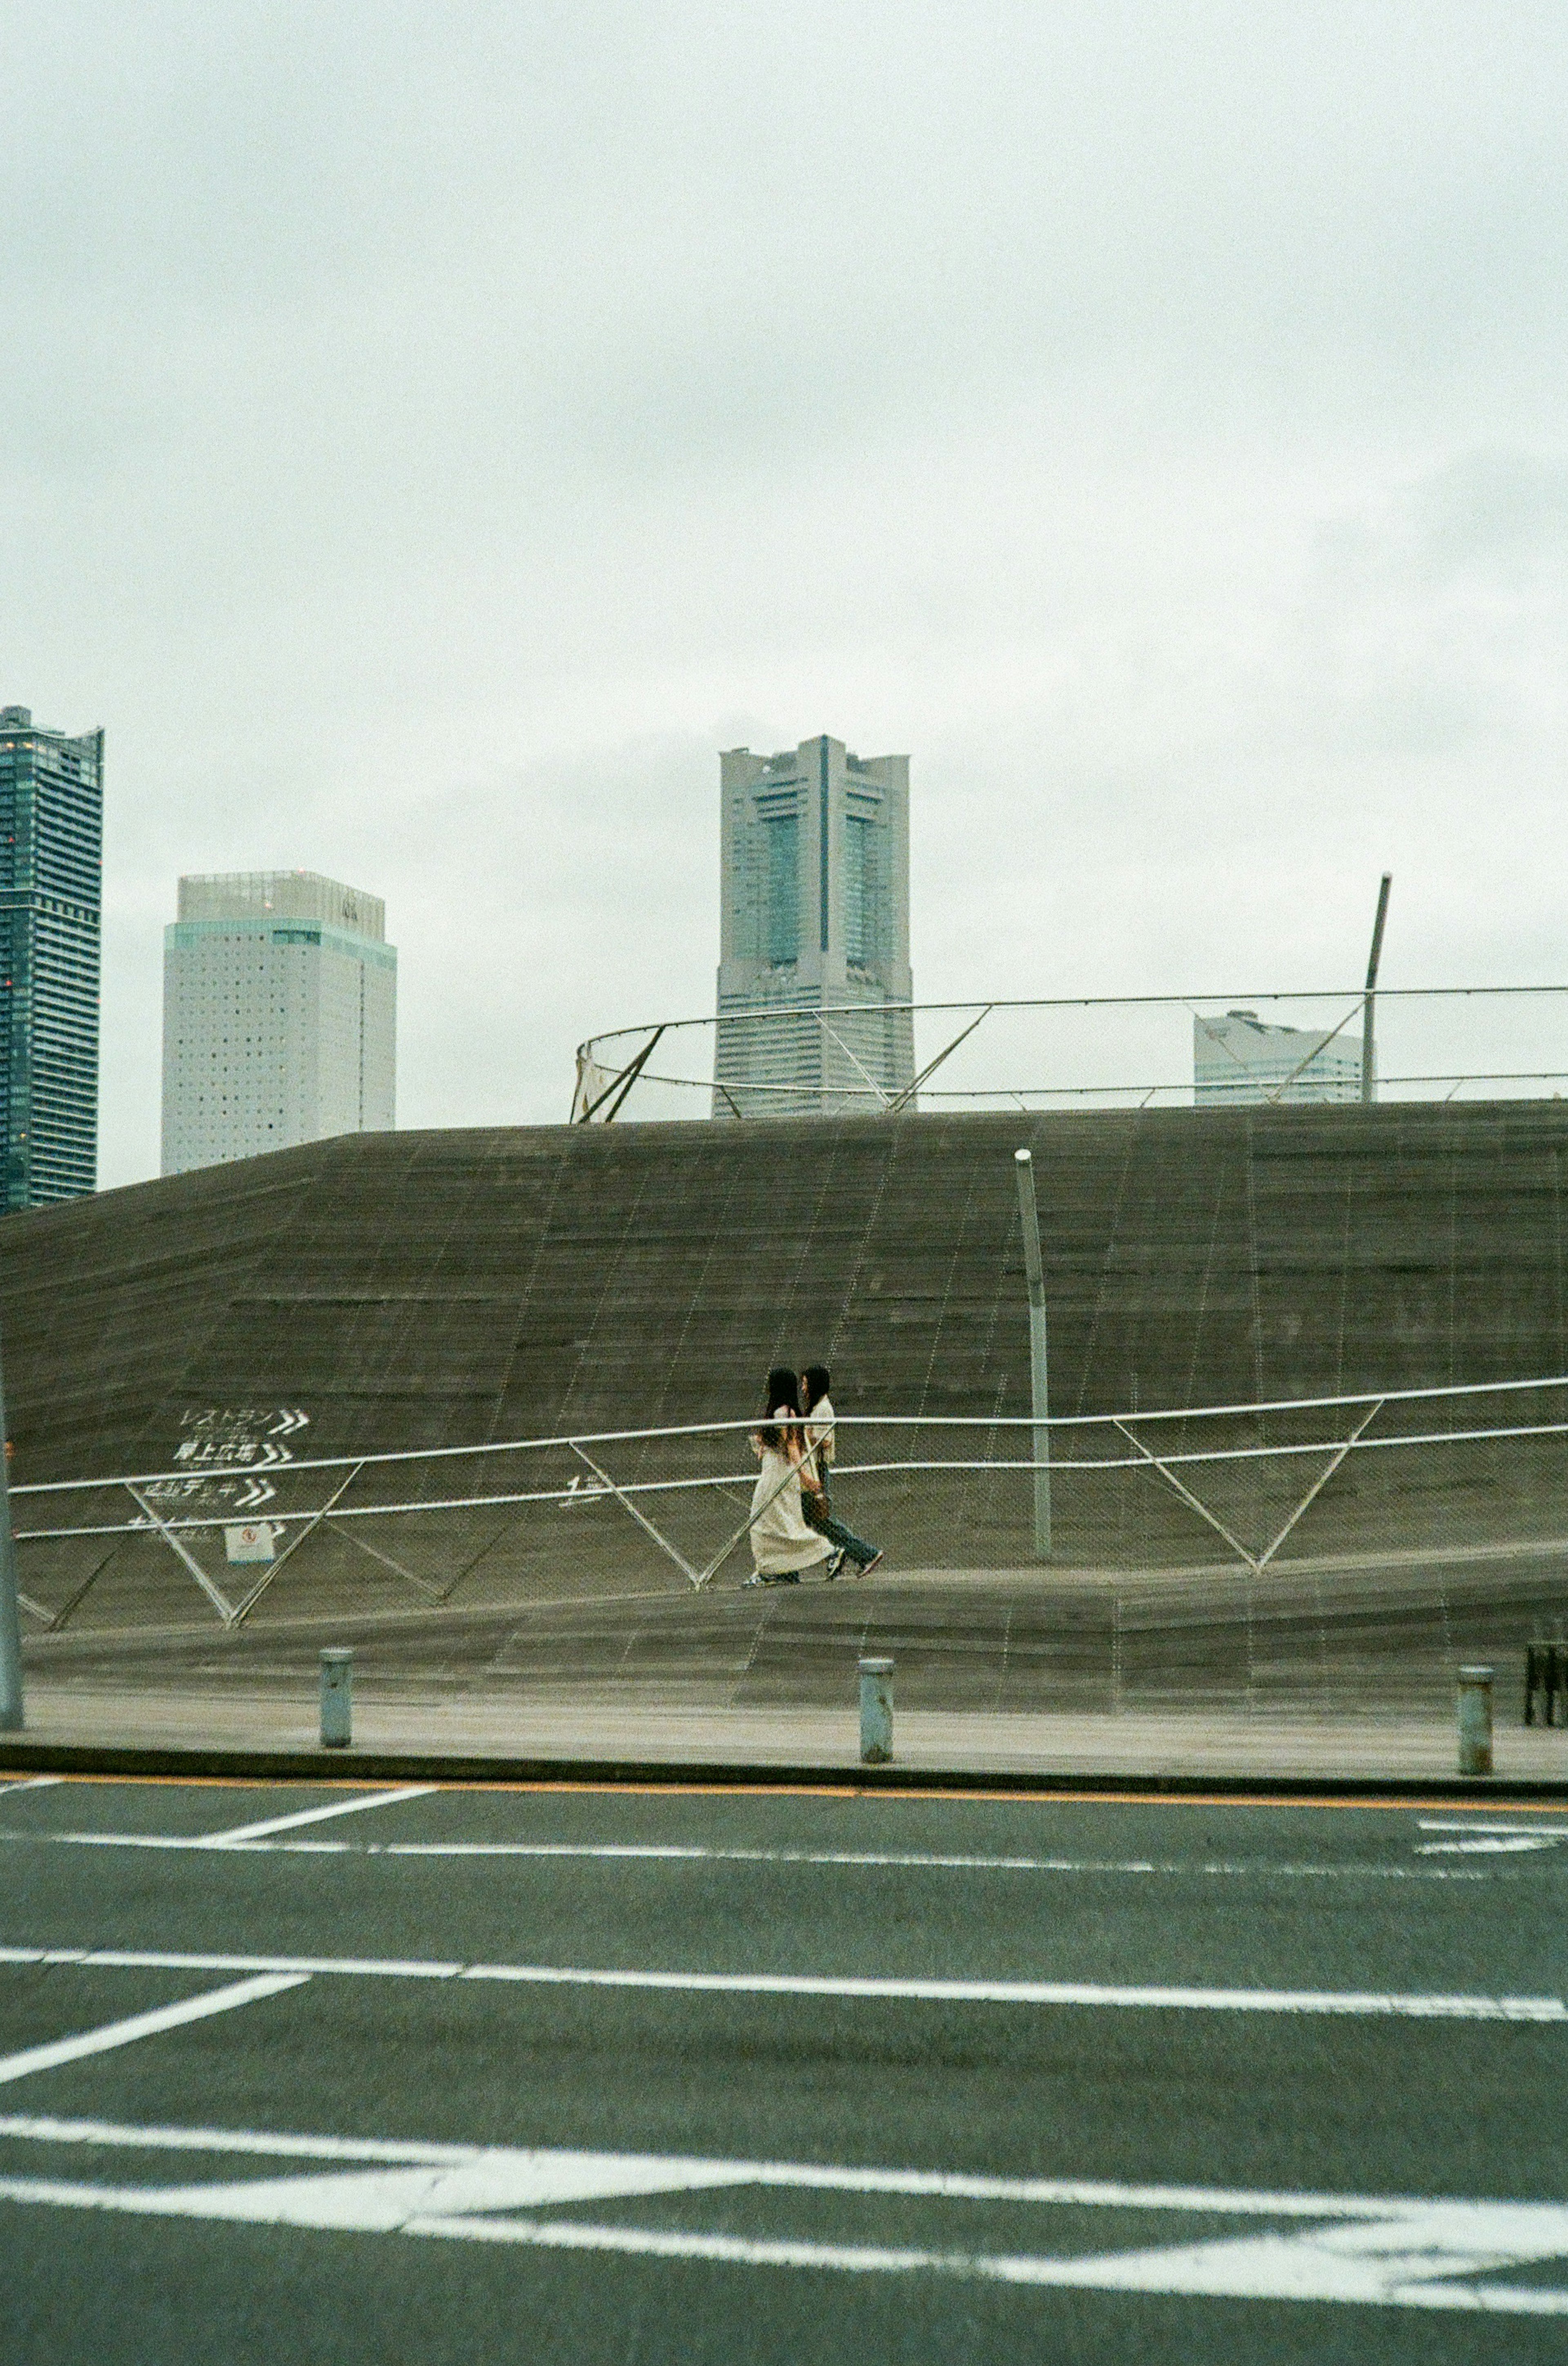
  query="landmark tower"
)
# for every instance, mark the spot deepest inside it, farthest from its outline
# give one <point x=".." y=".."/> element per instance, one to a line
<point x="814" y="979"/>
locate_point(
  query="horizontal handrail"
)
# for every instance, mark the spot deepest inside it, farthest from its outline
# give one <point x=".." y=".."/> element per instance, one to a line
<point x="1139" y="1416"/>
<point x="1194" y="1456"/>
<point x="1068" y="1002"/>
<point x="757" y="1089"/>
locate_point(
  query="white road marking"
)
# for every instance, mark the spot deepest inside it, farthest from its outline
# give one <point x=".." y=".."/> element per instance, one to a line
<point x="1516" y="1844"/>
<point x="1377" y="2004"/>
<point x="33" y="1783"/>
<point x="1362" y="2248"/>
<point x="145" y="2025"/>
<point x="1488" y="1840"/>
<point x="1474" y="1824"/>
<point x="657" y="1852"/>
<point x="242" y="1832"/>
<point x="689" y="2170"/>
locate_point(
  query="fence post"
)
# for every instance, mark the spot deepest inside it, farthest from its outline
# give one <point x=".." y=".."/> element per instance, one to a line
<point x="337" y="1699"/>
<point x="11" y="1717"/>
<point x="1475" y="1720"/>
<point x="1039" y="1389"/>
<point x="876" y="1712"/>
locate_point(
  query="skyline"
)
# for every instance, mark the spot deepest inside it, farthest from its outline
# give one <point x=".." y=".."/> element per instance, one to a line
<point x="440" y="434"/>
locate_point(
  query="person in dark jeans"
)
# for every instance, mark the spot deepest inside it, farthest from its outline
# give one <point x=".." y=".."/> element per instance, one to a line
<point x="816" y="1406"/>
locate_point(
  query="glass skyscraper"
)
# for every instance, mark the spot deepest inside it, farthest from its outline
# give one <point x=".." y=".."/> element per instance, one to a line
<point x="52" y="882"/>
<point x="814" y="979"/>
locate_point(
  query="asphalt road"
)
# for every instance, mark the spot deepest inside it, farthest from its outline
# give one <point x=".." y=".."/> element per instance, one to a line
<point x="327" y="2074"/>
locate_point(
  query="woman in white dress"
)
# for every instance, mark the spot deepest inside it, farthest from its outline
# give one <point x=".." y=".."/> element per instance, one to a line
<point x="782" y="1545"/>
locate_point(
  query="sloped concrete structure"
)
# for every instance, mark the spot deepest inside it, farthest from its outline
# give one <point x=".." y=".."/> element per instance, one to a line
<point x="426" y="1289"/>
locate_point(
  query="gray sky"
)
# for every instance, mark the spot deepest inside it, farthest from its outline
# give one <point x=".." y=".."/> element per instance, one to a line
<point x="429" y="434"/>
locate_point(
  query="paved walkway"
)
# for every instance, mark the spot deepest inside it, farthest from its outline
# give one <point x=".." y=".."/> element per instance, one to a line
<point x="1135" y="1742"/>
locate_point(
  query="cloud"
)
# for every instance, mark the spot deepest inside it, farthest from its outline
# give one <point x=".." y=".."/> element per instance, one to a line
<point x="431" y="433"/>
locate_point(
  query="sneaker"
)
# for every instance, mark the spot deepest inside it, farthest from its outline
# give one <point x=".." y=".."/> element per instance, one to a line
<point x="836" y="1562"/>
<point x="867" y="1566"/>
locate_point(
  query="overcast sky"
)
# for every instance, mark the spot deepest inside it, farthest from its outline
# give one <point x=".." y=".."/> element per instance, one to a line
<point x="429" y="434"/>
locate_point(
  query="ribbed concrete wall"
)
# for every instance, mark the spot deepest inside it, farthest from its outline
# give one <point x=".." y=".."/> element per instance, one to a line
<point x="434" y="1288"/>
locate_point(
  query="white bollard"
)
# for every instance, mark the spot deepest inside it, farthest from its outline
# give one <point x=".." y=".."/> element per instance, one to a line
<point x="337" y="1699"/>
<point x="876" y="1712"/>
<point x="1475" y="1720"/>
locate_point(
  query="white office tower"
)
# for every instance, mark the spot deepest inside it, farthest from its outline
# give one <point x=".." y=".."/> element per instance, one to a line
<point x="280" y="1017"/>
<point x="1241" y="1058"/>
<point x="814" y="981"/>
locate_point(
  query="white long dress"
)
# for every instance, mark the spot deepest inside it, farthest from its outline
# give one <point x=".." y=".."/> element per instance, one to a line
<point x="780" y="1541"/>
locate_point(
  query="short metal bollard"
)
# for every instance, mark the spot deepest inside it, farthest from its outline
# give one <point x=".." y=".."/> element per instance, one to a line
<point x="337" y="1699"/>
<point x="1475" y="1720"/>
<point x="876" y="1712"/>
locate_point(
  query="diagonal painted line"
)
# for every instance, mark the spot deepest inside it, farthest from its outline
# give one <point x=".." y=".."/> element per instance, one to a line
<point x="1373" y="2004"/>
<point x="687" y="2169"/>
<point x="1293" y="2268"/>
<point x="43" y="2128"/>
<point x="1096" y="2272"/>
<point x="145" y="2025"/>
<point x="314" y="1816"/>
<point x="1422" y="2252"/>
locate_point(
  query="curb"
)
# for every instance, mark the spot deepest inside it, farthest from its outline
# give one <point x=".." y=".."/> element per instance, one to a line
<point x="19" y="1757"/>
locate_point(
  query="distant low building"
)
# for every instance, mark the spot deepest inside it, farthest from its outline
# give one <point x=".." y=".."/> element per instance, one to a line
<point x="814" y="979"/>
<point x="51" y="890"/>
<point x="280" y="1016"/>
<point x="1243" y="1058"/>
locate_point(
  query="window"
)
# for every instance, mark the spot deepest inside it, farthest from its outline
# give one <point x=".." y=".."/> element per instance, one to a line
<point x="782" y="835"/>
<point x="862" y="901"/>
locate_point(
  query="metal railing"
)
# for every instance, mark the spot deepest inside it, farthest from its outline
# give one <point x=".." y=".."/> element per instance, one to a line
<point x="1083" y="1052"/>
<point x="1245" y="1491"/>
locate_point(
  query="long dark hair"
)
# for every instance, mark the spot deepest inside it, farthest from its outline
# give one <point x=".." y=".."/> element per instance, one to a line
<point x="782" y="1389"/>
<point x="816" y="1383"/>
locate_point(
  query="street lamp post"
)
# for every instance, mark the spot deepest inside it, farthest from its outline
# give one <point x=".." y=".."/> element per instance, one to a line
<point x="1039" y="1392"/>
<point x="1369" y="1044"/>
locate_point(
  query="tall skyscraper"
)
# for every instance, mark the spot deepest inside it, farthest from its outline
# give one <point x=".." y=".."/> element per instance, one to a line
<point x="280" y="1016"/>
<point x="814" y="980"/>
<point x="1242" y="1058"/>
<point x="52" y="888"/>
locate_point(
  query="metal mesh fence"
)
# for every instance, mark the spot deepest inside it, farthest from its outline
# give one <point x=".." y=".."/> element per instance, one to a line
<point x="1086" y="1052"/>
<point x="1269" y="1493"/>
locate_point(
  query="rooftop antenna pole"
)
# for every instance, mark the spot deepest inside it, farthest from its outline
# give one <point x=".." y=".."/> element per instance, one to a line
<point x="1038" y="1391"/>
<point x="11" y="1720"/>
<point x="1369" y="1073"/>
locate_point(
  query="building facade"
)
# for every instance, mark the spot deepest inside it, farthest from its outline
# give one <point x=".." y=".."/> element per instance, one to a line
<point x="1242" y="1058"/>
<point x="280" y="1017"/>
<point x="51" y="883"/>
<point x="814" y="978"/>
